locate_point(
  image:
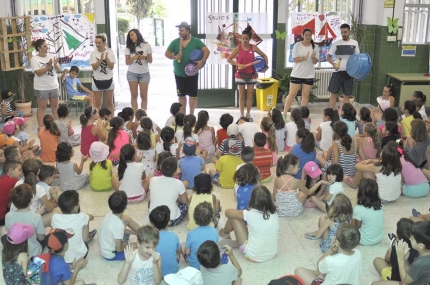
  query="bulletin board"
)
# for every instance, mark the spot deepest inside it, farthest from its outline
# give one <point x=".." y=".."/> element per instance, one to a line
<point x="69" y="36"/>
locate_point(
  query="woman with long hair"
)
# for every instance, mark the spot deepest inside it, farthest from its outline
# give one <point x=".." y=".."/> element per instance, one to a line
<point x="138" y="53"/>
<point x="305" y="56"/>
<point x="102" y="60"/>
<point x="245" y="76"/>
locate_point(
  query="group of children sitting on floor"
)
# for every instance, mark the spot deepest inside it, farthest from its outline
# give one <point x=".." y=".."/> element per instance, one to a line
<point x="133" y="156"/>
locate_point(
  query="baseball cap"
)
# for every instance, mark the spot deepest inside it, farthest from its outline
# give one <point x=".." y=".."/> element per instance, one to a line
<point x="19" y="233"/>
<point x="233" y="130"/>
<point x="183" y="25"/>
<point x="58" y="238"/>
<point x="203" y="181"/>
<point x="20" y="121"/>
<point x="6" y="94"/>
<point x="9" y="127"/>
<point x="312" y="169"/>
<point x="5" y="140"/>
<point x="187" y="276"/>
<point x="189" y="147"/>
<point x="98" y="151"/>
<point x="234" y="147"/>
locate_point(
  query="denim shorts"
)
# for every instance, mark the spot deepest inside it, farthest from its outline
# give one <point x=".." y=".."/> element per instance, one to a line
<point x="45" y="94"/>
<point x="95" y="89"/>
<point x="138" y="77"/>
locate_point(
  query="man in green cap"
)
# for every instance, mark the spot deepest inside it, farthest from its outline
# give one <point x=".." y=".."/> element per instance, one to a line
<point x="179" y="50"/>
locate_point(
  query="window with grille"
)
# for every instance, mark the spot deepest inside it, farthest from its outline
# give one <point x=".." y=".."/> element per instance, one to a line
<point x="344" y="8"/>
<point x="52" y="7"/>
<point x="416" y="22"/>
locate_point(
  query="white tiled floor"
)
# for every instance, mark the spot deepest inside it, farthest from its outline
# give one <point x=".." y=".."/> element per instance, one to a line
<point x="294" y="249"/>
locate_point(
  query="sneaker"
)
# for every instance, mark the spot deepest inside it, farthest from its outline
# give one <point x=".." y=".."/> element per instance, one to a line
<point x="224" y="235"/>
<point x="125" y="238"/>
<point x="415" y="213"/>
<point x="91" y="235"/>
<point x="392" y="238"/>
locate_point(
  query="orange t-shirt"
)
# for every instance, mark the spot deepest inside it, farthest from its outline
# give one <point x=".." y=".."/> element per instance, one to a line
<point x="48" y="146"/>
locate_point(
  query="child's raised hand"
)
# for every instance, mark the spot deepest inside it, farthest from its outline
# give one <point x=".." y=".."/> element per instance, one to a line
<point x="155" y="257"/>
<point x="65" y="71"/>
<point x="402" y="249"/>
<point x="40" y="209"/>
<point x="80" y="263"/>
<point x="84" y="158"/>
<point x="56" y="60"/>
<point x="214" y="159"/>
<point x="129" y="255"/>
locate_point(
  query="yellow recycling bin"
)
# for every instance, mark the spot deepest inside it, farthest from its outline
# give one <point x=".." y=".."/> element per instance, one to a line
<point x="267" y="93"/>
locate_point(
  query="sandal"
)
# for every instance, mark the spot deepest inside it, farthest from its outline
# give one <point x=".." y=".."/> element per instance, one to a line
<point x="348" y="181"/>
<point x="415" y="213"/>
<point x="248" y="116"/>
<point x="311" y="236"/>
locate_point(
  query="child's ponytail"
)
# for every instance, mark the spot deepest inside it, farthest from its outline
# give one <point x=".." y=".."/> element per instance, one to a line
<point x="390" y="159"/>
<point x="143" y="141"/>
<point x="115" y="124"/>
<point x="341" y="130"/>
<point x="349" y="112"/>
<point x="126" y="113"/>
<point x="308" y="140"/>
<point x="30" y="169"/>
<point x="126" y="153"/>
<point x="88" y="112"/>
<point x="202" y="121"/>
<point x="285" y="162"/>
<point x="48" y="122"/>
<point x="393" y="128"/>
<point x="179" y="120"/>
<point x="167" y="135"/>
<point x="296" y="114"/>
<point x="189" y="122"/>
<point x="277" y="119"/>
<point x="374" y="133"/>
<point x="271" y="140"/>
<point x="146" y="124"/>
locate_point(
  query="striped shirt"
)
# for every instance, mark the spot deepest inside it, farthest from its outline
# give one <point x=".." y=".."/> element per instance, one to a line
<point x="263" y="161"/>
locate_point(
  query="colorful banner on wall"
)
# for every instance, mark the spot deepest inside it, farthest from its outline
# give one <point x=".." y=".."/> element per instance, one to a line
<point x="224" y="32"/>
<point x="70" y="36"/>
<point x="325" y="29"/>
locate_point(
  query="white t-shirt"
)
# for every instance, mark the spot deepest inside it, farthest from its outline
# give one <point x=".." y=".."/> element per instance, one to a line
<point x="76" y="222"/>
<point x="141" y="271"/>
<point x="48" y="80"/>
<point x="165" y="191"/>
<point x="111" y="229"/>
<point x="179" y="135"/>
<point x="139" y="66"/>
<point x="291" y="129"/>
<point x="35" y="203"/>
<point x="343" y="50"/>
<point x="154" y="128"/>
<point x="248" y="131"/>
<point x="423" y="113"/>
<point x="170" y="121"/>
<point x="263" y="235"/>
<point x="389" y="186"/>
<point x="103" y="72"/>
<point x="306" y="68"/>
<point x="335" y="189"/>
<point x="131" y="182"/>
<point x="159" y="148"/>
<point x="326" y="135"/>
<point x="341" y="268"/>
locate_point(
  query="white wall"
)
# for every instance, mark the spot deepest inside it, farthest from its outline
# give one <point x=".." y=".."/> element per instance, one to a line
<point x="374" y="12"/>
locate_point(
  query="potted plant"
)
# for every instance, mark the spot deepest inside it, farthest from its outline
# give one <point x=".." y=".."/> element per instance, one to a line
<point x="22" y="104"/>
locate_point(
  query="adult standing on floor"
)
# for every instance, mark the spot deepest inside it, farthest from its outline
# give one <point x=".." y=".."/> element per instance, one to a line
<point x="343" y="49"/>
<point x="179" y="50"/>
<point x="245" y="76"/>
<point x="45" y="80"/>
<point x="303" y="74"/>
<point x="138" y="54"/>
<point x="102" y="60"/>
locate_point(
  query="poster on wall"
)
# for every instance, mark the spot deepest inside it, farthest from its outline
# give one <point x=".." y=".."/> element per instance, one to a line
<point x="325" y="29"/>
<point x="70" y="36"/>
<point x="224" y="32"/>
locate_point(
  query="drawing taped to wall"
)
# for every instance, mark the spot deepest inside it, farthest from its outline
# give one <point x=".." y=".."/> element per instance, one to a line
<point x="70" y="36"/>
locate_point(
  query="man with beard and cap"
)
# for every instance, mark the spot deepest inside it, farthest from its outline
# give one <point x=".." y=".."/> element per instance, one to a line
<point x="179" y="50"/>
<point x="343" y="49"/>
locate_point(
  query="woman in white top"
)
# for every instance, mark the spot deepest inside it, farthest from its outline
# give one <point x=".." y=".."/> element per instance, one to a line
<point x="303" y="74"/>
<point x="138" y="54"/>
<point x="102" y="61"/>
<point x="45" y="80"/>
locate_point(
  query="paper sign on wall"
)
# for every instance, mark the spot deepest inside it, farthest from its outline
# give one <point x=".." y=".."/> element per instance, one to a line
<point x="410" y="51"/>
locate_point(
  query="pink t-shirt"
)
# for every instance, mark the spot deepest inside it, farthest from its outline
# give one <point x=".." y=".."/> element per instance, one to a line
<point x="245" y="57"/>
<point x="382" y="126"/>
<point x="411" y="175"/>
<point x="121" y="139"/>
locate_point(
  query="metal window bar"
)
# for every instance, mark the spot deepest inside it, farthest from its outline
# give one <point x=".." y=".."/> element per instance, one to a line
<point x="416" y="22"/>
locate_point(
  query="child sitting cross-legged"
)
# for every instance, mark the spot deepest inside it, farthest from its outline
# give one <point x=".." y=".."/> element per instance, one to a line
<point x="46" y="177"/>
<point x="71" y="176"/>
<point x="418" y="272"/>
<point x="340" y="264"/>
<point x="247" y="155"/>
<point x="67" y="133"/>
<point x="142" y="266"/>
<point x="203" y="188"/>
<point x="247" y="177"/>
<point x="49" y="138"/>
<point x="13" y="172"/>
<point x="169" y="246"/>
<point x="190" y="165"/>
<point x="263" y="158"/>
<point x="203" y="215"/>
<point x="111" y="237"/>
<point x="100" y="168"/>
<point x="166" y="190"/>
<point x="59" y="270"/>
<point x="72" y="218"/>
<point x="14" y="129"/>
<point x="213" y="271"/>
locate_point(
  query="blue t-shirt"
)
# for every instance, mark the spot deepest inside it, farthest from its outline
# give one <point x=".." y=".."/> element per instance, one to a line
<point x="22" y="136"/>
<point x="72" y="86"/>
<point x="190" y="167"/>
<point x="303" y="158"/>
<point x="351" y="127"/>
<point x="243" y="196"/>
<point x="167" y="247"/>
<point x="195" y="238"/>
<point x="59" y="270"/>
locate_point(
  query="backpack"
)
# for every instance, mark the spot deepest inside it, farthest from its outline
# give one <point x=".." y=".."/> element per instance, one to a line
<point x="38" y="270"/>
